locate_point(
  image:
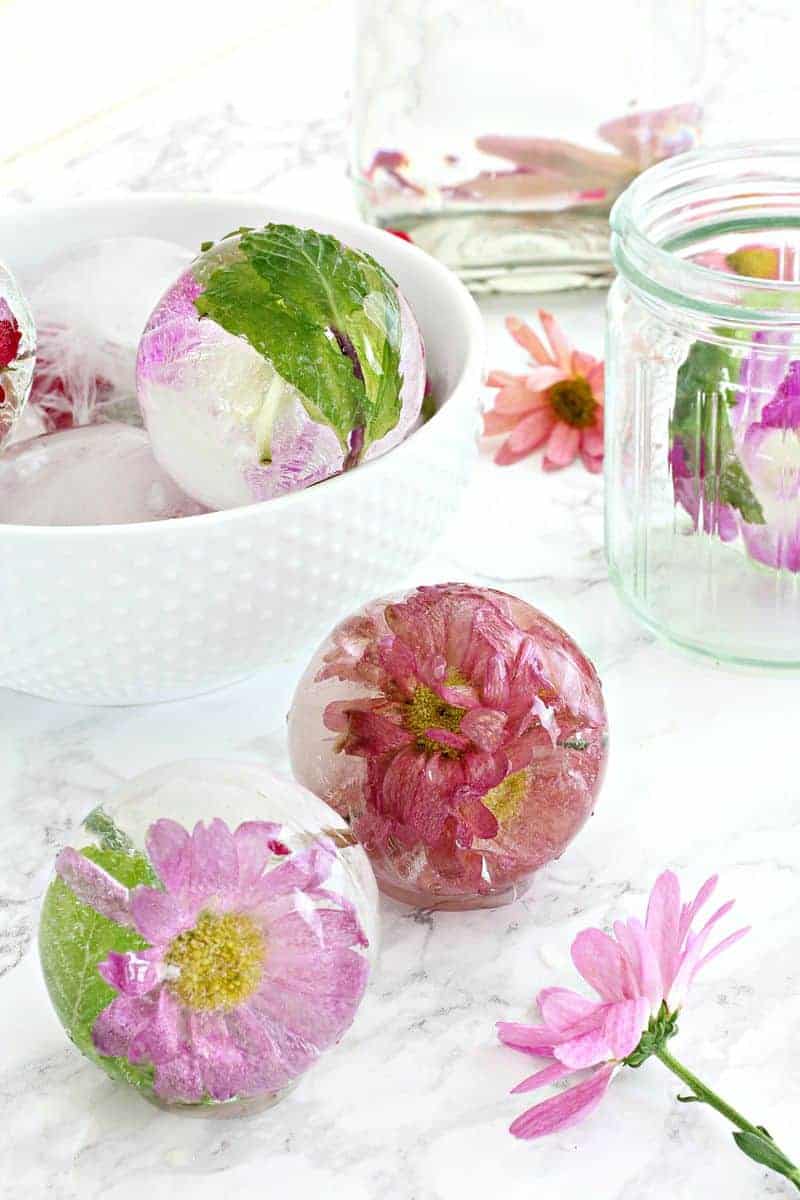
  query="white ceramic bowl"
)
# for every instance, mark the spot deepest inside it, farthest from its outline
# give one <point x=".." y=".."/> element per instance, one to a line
<point x="126" y="614"/>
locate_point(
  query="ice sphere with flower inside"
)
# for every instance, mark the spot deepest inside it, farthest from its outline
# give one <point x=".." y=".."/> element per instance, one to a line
<point x="209" y="934"/>
<point x="462" y="734"/>
<point x="91" y="304"/>
<point x="280" y="358"/>
<point x="96" y="475"/>
<point x="17" y="350"/>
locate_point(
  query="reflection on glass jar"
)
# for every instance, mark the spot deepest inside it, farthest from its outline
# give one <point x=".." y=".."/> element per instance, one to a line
<point x="499" y="137"/>
<point x="703" y="403"/>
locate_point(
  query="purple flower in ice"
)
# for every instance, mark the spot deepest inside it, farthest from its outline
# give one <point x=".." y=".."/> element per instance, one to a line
<point x="771" y="456"/>
<point x="252" y="967"/>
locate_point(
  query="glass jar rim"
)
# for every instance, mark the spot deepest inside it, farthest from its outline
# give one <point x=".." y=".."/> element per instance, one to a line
<point x="728" y="180"/>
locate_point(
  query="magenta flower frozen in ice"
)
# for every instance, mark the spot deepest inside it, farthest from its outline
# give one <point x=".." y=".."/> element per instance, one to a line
<point x="228" y="961"/>
<point x="462" y="734"/>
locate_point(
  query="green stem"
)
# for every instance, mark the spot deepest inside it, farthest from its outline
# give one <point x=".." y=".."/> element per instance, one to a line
<point x="705" y="1095"/>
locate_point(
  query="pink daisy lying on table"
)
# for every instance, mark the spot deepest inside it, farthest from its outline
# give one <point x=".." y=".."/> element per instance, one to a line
<point x="641" y="976"/>
<point x="557" y="404"/>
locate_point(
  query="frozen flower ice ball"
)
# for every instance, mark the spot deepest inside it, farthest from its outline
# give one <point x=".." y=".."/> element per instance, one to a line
<point x="97" y="475"/>
<point x="17" y="350"/>
<point x="280" y="358"/>
<point x="91" y="305"/>
<point x="209" y="934"/>
<point x="460" y="732"/>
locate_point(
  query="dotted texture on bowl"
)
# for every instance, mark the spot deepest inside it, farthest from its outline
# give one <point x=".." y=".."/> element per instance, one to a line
<point x="142" y="613"/>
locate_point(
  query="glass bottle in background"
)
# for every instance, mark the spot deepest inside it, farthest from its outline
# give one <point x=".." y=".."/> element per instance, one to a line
<point x="498" y="135"/>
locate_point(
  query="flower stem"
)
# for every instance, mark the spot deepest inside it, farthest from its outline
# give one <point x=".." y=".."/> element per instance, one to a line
<point x="754" y="1140"/>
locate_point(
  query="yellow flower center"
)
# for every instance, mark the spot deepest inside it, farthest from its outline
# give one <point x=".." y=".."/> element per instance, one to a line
<point x="505" y="800"/>
<point x="755" y="263"/>
<point x="426" y="711"/>
<point x="219" y="962"/>
<point x="572" y="401"/>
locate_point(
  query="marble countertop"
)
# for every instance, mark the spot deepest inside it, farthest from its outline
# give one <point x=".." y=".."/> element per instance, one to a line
<point x="414" y="1104"/>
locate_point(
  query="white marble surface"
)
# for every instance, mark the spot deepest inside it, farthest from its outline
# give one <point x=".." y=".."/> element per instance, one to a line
<point x="414" y="1104"/>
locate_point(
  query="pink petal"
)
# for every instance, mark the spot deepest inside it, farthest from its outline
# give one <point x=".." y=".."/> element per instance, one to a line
<point x="399" y="662"/>
<point x="585" y="1050"/>
<point x="157" y="915"/>
<point x="214" y="867"/>
<point x="484" y="771"/>
<point x="603" y="965"/>
<point x="725" y="944"/>
<point x="542" y="378"/>
<point x="524" y="335"/>
<point x="518" y="400"/>
<point x="305" y="870"/>
<point x="582" y="363"/>
<point x="552" y="1074"/>
<point x="179" y="1079"/>
<point x="484" y="726"/>
<point x="566" y="1109"/>
<point x="527" y="437"/>
<point x="561" y="1007"/>
<point x="596" y="378"/>
<point x="624" y="1025"/>
<point x="530" y="1039"/>
<point x="446" y="737"/>
<point x="593" y="464"/>
<point x="592" y="442"/>
<point x="499" y="379"/>
<point x="690" y="911"/>
<point x="256" y="843"/>
<point x="496" y="423"/>
<point x="133" y="973"/>
<point x="160" y="1039"/>
<point x="663" y="925"/>
<point x="117" y="1025"/>
<point x="648" y="968"/>
<point x="562" y="350"/>
<point x="562" y="446"/>
<point x="94" y="886"/>
<point x="495" y="687"/>
<point x="169" y="848"/>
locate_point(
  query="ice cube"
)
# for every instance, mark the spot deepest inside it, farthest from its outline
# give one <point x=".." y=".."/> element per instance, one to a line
<point x="99" y="475"/>
<point x="91" y="306"/>
<point x="17" y="349"/>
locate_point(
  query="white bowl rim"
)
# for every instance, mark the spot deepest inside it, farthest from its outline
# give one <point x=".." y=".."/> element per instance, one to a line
<point x="463" y="304"/>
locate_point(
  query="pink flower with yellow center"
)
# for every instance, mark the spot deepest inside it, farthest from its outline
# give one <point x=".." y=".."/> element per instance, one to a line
<point x="470" y="737"/>
<point x="253" y="967"/>
<point x="557" y="404"/>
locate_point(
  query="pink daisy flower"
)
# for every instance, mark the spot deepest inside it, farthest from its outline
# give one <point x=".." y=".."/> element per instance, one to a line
<point x="641" y="975"/>
<point x="558" y="404"/>
<point x="252" y="968"/>
<point x="477" y="720"/>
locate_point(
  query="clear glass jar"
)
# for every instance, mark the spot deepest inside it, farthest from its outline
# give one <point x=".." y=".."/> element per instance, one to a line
<point x="498" y="138"/>
<point x="703" y="403"/>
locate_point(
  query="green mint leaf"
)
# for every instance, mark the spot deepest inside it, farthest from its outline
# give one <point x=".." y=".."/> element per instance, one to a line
<point x="705" y="390"/>
<point x="328" y="319"/>
<point x="764" y="1151"/>
<point x="73" y="939"/>
<point x="239" y="300"/>
<point x="111" y="836"/>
